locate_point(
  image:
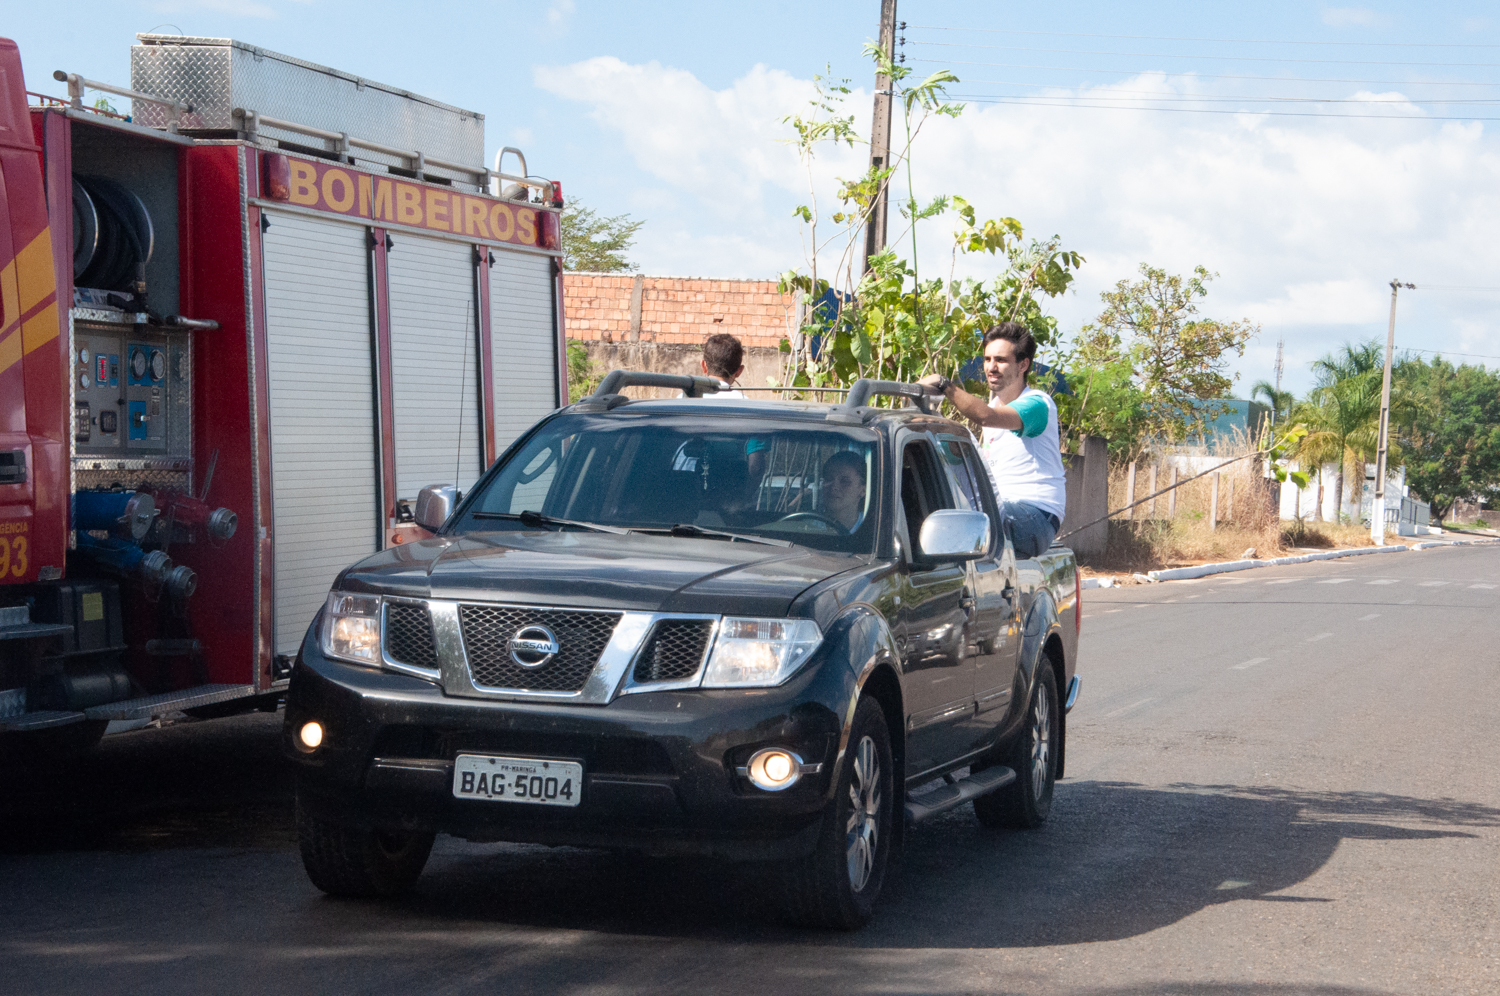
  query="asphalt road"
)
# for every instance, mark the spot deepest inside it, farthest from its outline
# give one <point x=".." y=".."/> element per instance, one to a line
<point x="1280" y="782"/>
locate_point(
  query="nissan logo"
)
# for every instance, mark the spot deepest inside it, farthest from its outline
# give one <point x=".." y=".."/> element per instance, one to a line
<point x="533" y="646"/>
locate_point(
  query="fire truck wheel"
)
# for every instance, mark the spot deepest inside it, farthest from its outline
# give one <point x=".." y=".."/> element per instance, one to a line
<point x="360" y="863"/>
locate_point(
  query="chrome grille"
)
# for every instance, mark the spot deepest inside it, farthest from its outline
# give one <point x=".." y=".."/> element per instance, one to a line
<point x="408" y="635"/>
<point x="581" y="638"/>
<point x="674" y="650"/>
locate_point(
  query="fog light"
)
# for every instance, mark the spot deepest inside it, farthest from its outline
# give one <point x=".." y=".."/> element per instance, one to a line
<point x="773" y="769"/>
<point x="311" y="735"/>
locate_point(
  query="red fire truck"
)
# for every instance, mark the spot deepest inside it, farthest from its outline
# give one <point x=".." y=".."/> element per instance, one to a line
<point x="240" y="329"/>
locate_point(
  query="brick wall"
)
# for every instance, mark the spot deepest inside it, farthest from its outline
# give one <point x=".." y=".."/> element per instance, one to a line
<point x="687" y="310"/>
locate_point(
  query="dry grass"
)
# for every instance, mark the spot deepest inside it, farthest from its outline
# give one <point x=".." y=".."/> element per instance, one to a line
<point x="1179" y="532"/>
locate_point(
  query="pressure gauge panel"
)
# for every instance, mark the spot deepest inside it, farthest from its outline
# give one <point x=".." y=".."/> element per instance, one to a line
<point x="140" y="397"/>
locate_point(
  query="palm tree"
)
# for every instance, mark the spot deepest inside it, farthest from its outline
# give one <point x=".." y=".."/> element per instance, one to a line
<point x="1349" y="363"/>
<point x="1280" y="402"/>
<point x="1343" y="422"/>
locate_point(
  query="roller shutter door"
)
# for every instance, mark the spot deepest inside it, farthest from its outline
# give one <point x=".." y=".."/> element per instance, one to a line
<point x="434" y="364"/>
<point x="324" y="468"/>
<point x="524" y="342"/>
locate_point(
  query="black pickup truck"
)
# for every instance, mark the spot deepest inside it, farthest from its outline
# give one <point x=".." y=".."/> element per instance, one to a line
<point x="764" y="630"/>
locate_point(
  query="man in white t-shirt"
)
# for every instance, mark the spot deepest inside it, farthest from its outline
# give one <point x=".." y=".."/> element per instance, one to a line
<point x="1020" y="438"/>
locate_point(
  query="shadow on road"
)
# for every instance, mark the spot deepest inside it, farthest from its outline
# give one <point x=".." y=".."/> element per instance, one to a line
<point x="221" y="782"/>
<point x="1117" y="860"/>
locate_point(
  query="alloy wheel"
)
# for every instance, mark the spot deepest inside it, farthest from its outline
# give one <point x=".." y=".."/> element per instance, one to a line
<point x="863" y="828"/>
<point x="1041" y="743"/>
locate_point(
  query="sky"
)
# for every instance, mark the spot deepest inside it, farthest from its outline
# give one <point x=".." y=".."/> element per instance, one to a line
<point x="1306" y="153"/>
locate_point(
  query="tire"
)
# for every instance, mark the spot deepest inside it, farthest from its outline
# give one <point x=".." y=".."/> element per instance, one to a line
<point x="358" y="863"/>
<point x="838" y="885"/>
<point x="1025" y="803"/>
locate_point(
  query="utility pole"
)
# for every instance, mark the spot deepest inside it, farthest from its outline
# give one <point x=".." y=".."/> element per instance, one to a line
<point x="1279" y="344"/>
<point x="880" y="137"/>
<point x="1377" y="509"/>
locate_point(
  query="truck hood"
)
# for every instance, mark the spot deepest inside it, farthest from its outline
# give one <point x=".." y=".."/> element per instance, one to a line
<point x="600" y="570"/>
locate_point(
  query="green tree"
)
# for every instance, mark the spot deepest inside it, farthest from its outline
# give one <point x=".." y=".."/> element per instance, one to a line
<point x="1179" y="359"/>
<point x="893" y="324"/>
<point x="1105" y="402"/>
<point x="1342" y="421"/>
<point x="1280" y="402"/>
<point x="1366" y="359"/>
<point x="1450" y="431"/>
<point x="583" y="378"/>
<point x="596" y="243"/>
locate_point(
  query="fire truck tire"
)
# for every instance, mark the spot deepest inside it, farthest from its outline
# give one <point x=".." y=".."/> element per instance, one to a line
<point x="357" y="862"/>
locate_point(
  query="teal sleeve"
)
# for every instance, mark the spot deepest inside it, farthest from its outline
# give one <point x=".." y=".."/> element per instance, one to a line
<point x="1033" y="411"/>
<point x="754" y="446"/>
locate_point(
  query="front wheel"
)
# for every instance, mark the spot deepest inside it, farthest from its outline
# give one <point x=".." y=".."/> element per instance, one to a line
<point x="1025" y="802"/>
<point x="838" y="884"/>
<point x="354" y="862"/>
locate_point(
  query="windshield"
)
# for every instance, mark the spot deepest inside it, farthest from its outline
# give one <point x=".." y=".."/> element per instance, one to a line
<point x="759" y="478"/>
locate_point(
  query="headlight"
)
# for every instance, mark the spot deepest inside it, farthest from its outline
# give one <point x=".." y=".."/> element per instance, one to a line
<point x="351" y="627"/>
<point x="760" y="652"/>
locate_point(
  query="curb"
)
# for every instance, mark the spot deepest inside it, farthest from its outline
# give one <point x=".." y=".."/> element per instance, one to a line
<point x="1204" y="570"/>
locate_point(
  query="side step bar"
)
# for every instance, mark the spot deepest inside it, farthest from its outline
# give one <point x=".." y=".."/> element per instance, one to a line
<point x="956" y="793"/>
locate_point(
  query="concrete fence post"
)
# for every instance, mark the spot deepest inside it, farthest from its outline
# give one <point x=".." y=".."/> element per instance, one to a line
<point x="1151" y="509"/>
<point x="1130" y="490"/>
<point x="1229" y="499"/>
<point x="1087" y="477"/>
<point x="1213" y="503"/>
<point x="1172" y="495"/>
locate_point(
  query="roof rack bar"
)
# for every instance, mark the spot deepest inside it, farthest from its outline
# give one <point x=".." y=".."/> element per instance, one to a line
<point x="416" y="160"/>
<point x="692" y="387"/>
<point x="798" y="390"/>
<point x="76" y="85"/>
<point x="864" y="389"/>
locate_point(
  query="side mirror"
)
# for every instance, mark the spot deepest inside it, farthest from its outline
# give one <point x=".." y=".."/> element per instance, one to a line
<point x="955" y="534"/>
<point x="434" y="504"/>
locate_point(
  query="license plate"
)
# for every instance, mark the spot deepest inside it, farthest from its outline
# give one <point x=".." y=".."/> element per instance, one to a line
<point x="517" y="779"/>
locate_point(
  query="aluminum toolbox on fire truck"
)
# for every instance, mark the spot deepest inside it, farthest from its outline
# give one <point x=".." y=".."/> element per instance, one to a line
<point x="243" y="326"/>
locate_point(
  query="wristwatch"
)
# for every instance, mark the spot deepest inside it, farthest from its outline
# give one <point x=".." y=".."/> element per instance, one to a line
<point x="943" y="384"/>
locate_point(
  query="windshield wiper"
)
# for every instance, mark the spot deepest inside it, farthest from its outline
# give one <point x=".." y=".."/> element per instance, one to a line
<point x="688" y="529"/>
<point x="530" y="518"/>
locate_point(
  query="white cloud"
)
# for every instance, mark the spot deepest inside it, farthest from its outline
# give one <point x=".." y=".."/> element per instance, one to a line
<point x="559" y="13"/>
<point x="1345" y="17"/>
<point x="1305" y="218"/>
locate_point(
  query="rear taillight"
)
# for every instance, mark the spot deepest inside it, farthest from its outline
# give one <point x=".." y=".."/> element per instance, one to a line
<point x="1077" y="603"/>
<point x="550" y="235"/>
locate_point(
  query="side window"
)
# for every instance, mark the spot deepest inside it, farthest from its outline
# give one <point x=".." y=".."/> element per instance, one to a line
<point x="980" y="474"/>
<point x="967" y="489"/>
<point x="924" y="488"/>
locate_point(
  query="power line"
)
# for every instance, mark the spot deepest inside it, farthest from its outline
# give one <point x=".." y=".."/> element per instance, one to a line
<point x="1205" y="76"/>
<point x="1218" y="97"/>
<point x="1236" y="41"/>
<point x="1032" y="102"/>
<point x="1217" y="58"/>
<point x="1445" y="352"/>
<point x="1187" y="98"/>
